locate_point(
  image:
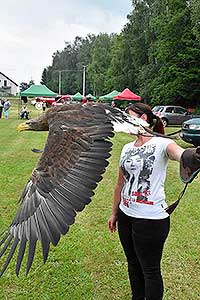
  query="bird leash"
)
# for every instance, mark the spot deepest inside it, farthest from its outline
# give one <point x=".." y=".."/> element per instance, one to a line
<point x="172" y="207"/>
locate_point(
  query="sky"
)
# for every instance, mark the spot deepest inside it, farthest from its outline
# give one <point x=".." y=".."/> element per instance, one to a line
<point x="32" y="30"/>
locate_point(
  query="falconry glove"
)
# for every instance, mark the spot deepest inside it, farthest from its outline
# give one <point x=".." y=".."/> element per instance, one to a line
<point x="190" y="164"/>
<point x="189" y="168"/>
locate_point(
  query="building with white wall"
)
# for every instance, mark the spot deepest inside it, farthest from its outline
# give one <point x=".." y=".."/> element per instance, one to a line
<point x="7" y="85"/>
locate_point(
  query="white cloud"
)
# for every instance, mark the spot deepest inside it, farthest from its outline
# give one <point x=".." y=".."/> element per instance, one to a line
<point x="36" y="29"/>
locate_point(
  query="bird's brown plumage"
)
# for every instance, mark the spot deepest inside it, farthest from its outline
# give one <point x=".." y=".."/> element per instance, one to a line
<point x="74" y="158"/>
<point x="63" y="182"/>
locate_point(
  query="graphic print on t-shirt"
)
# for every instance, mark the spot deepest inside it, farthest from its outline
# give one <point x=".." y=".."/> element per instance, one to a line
<point x="137" y="166"/>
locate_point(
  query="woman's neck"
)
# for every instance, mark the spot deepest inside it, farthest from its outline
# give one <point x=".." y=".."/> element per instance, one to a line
<point x="142" y="139"/>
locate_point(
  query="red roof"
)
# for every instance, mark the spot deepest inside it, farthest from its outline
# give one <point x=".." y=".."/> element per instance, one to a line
<point x="127" y="95"/>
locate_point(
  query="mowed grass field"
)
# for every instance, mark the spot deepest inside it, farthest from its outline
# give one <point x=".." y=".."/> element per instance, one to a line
<point x="88" y="263"/>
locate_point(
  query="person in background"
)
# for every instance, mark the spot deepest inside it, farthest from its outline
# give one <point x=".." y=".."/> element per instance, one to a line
<point x="1" y="106"/>
<point x="113" y="104"/>
<point x="44" y="106"/>
<point x="6" y="108"/>
<point x="24" y="100"/>
<point x="139" y="206"/>
<point x="24" y="113"/>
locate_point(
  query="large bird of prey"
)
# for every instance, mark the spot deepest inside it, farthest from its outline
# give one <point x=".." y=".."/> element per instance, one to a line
<point x="72" y="163"/>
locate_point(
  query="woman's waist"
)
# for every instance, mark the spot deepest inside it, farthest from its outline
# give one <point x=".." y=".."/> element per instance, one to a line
<point x="139" y="198"/>
<point x="154" y="213"/>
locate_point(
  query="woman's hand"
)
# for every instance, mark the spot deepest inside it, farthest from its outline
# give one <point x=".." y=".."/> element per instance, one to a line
<point x="112" y="223"/>
<point x="117" y="198"/>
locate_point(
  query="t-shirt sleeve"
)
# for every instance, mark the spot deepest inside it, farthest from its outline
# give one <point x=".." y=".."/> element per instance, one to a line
<point x="165" y="143"/>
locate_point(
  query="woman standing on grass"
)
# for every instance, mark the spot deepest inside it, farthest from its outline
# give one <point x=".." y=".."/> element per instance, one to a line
<point x="6" y="108"/>
<point x="139" y="205"/>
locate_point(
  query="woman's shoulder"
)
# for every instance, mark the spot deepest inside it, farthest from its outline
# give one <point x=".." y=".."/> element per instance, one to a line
<point x="162" y="144"/>
<point x="128" y="145"/>
<point x="163" y="140"/>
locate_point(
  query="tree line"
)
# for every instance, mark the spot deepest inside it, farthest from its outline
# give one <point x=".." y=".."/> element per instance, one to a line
<point x="156" y="55"/>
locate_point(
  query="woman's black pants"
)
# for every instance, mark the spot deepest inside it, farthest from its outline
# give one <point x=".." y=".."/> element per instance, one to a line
<point x="143" y="241"/>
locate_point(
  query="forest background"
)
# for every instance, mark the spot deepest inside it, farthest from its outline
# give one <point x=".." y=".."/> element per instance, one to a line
<point x="156" y="55"/>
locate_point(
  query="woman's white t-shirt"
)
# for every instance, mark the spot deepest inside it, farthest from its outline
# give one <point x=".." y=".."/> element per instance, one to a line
<point x="144" y="170"/>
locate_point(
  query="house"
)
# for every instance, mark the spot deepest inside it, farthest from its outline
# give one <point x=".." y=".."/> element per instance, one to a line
<point x="7" y="85"/>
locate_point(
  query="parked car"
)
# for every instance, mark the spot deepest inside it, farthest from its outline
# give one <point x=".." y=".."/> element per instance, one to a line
<point x="190" y="131"/>
<point x="173" y="115"/>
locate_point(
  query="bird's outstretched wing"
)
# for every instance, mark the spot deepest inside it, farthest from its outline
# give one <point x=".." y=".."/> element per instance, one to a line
<point x="71" y="165"/>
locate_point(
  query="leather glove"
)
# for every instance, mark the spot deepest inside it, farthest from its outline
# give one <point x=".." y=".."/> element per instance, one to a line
<point x="190" y="164"/>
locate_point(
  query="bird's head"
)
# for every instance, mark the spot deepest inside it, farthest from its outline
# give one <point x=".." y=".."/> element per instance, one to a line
<point x="38" y="124"/>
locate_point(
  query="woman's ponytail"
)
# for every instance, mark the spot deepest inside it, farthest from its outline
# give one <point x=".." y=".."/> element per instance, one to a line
<point x="158" y="127"/>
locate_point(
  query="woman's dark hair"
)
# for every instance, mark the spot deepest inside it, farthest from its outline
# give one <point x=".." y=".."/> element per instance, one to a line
<point x="154" y="121"/>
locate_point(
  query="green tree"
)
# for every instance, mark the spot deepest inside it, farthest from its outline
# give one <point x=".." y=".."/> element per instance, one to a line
<point x="131" y="49"/>
<point x="157" y="55"/>
<point x="24" y="85"/>
<point x="100" y="62"/>
<point x="194" y="5"/>
<point x="44" y="77"/>
<point x="122" y="69"/>
<point x="68" y="64"/>
<point x="177" y="54"/>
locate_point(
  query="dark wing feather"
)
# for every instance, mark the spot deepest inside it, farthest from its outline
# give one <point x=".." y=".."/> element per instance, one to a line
<point x="21" y="252"/>
<point x="71" y="165"/>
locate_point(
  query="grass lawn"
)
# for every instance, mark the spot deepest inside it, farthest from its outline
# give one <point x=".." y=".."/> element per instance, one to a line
<point x="89" y="264"/>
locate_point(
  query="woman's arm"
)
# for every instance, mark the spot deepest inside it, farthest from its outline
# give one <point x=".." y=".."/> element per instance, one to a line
<point x="174" y="151"/>
<point x="117" y="198"/>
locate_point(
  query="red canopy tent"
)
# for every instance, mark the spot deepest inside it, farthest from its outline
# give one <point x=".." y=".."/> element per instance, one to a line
<point x="127" y="95"/>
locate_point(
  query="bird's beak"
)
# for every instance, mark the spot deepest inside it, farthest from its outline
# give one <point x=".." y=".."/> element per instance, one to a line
<point x="22" y="127"/>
